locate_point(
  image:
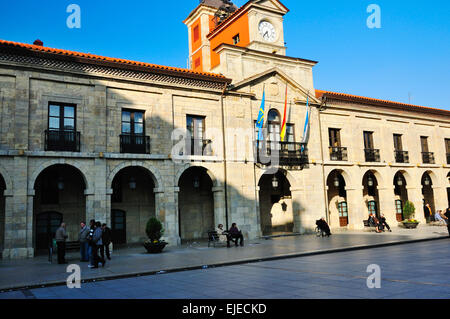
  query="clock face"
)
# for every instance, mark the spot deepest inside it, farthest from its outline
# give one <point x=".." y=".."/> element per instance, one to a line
<point x="267" y="31"/>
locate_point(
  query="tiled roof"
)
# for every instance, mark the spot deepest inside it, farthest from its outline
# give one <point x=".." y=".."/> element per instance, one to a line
<point x="98" y="58"/>
<point x="377" y="102"/>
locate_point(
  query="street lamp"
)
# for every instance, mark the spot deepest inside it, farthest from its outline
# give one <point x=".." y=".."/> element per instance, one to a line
<point x="400" y="181"/>
<point x="60" y="184"/>
<point x="275" y="182"/>
<point x="370" y="181"/>
<point x="132" y="183"/>
<point x="427" y="181"/>
<point x="336" y="182"/>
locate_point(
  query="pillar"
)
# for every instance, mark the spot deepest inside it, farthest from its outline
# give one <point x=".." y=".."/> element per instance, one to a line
<point x="415" y="196"/>
<point x="387" y="204"/>
<point x="219" y="206"/>
<point x="356" y="210"/>
<point x="167" y="205"/>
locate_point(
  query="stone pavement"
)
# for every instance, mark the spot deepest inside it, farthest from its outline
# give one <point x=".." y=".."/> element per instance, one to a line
<point x="410" y="271"/>
<point x="35" y="272"/>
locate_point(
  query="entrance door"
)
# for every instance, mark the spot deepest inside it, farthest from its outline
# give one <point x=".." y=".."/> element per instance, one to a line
<point x="46" y="226"/>
<point x="373" y="209"/>
<point x="399" y="209"/>
<point x="343" y="214"/>
<point x="119" y="227"/>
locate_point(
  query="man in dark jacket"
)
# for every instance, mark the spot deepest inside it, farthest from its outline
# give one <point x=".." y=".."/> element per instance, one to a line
<point x="61" y="237"/>
<point x="323" y="226"/>
<point x="84" y="244"/>
<point x="96" y="244"/>
<point x="106" y="239"/>
<point x="447" y="219"/>
<point x="236" y="234"/>
<point x="90" y="243"/>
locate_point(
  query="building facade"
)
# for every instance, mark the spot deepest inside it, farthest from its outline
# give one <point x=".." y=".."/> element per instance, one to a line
<point x="88" y="137"/>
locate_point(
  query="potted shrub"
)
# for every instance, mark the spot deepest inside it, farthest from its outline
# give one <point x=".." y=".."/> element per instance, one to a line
<point x="154" y="230"/>
<point x="409" y="212"/>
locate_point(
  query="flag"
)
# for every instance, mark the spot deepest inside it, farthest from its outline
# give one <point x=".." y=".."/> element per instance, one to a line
<point x="283" y="127"/>
<point x="307" y="126"/>
<point x="260" y="121"/>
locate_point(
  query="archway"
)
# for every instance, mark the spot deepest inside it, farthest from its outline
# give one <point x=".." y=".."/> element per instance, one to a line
<point x="337" y="199"/>
<point x="370" y="193"/>
<point x="275" y="204"/>
<point x="401" y="194"/>
<point x="59" y="197"/>
<point x="196" y="204"/>
<point x="2" y="213"/>
<point x="428" y="195"/>
<point x="132" y="204"/>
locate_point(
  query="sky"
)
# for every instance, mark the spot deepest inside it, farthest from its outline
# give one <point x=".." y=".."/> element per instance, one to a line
<point x="406" y="60"/>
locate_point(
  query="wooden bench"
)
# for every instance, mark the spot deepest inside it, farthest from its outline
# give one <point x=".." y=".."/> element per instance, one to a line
<point x="214" y="238"/>
<point x="368" y="227"/>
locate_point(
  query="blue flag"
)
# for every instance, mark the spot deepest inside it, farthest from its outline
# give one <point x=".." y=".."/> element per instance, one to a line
<point x="307" y="126"/>
<point x="260" y="121"/>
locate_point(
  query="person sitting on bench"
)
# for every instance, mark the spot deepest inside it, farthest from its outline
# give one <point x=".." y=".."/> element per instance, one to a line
<point x="223" y="235"/>
<point x="323" y="226"/>
<point x="373" y="222"/>
<point x="236" y="234"/>
<point x="384" y="223"/>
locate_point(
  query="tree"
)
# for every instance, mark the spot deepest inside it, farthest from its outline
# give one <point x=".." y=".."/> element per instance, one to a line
<point x="409" y="210"/>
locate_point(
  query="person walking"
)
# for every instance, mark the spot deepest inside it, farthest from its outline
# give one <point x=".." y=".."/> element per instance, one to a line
<point x="106" y="239"/>
<point x="96" y="245"/>
<point x="428" y="213"/>
<point x="84" y="244"/>
<point x="91" y="243"/>
<point x="61" y="237"/>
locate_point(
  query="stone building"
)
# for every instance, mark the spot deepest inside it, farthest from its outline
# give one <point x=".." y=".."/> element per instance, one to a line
<point x="89" y="137"/>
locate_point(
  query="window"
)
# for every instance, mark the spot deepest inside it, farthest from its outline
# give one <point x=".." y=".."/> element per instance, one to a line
<point x="290" y="134"/>
<point x="61" y="117"/>
<point x="335" y="137"/>
<point x="368" y="141"/>
<point x="398" y="146"/>
<point x="424" y="144"/>
<point x="399" y="207"/>
<point x="372" y="205"/>
<point x="196" y="126"/>
<point x="274" y="124"/>
<point x="343" y="210"/>
<point x="197" y="63"/>
<point x="133" y="122"/>
<point x="447" y="145"/>
<point x="196" y="33"/>
<point x="236" y="39"/>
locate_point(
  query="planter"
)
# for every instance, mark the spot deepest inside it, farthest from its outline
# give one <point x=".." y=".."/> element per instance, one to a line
<point x="155" y="248"/>
<point x="410" y="225"/>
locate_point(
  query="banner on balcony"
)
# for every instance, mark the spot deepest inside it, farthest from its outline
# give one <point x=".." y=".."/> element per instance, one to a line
<point x="260" y="121"/>
<point x="307" y="125"/>
<point x="283" y="127"/>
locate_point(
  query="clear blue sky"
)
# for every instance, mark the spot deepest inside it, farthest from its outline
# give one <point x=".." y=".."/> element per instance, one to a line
<point x="409" y="54"/>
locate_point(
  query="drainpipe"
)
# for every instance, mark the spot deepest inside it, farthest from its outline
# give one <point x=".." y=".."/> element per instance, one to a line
<point x="224" y="156"/>
<point x="324" y="102"/>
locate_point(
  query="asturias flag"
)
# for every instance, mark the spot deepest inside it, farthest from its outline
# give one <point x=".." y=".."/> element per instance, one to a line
<point x="260" y="121"/>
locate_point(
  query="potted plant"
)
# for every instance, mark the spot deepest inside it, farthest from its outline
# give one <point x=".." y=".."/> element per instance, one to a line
<point x="409" y="212"/>
<point x="154" y="230"/>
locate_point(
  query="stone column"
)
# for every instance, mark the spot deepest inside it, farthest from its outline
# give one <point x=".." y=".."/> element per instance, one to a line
<point x="219" y="206"/>
<point x="416" y="197"/>
<point x="301" y="217"/>
<point x="356" y="211"/>
<point x="90" y="206"/>
<point x="167" y="205"/>
<point x="440" y="198"/>
<point x="109" y="193"/>
<point x="387" y="204"/>
<point x="8" y="241"/>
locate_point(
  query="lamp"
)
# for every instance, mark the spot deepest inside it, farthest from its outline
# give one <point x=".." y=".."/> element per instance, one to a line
<point x="60" y="184"/>
<point x="370" y="181"/>
<point x="275" y="182"/>
<point x="400" y="181"/>
<point x="132" y="183"/>
<point x="336" y="182"/>
<point x="196" y="182"/>
<point x="427" y="181"/>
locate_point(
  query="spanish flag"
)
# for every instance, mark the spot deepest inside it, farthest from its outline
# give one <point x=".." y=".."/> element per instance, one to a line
<point x="283" y="127"/>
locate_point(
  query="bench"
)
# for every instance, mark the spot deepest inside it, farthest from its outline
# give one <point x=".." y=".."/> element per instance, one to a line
<point x="214" y="238"/>
<point x="70" y="246"/>
<point x="368" y="227"/>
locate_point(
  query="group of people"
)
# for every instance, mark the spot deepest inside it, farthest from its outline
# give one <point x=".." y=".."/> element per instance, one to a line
<point x="232" y="235"/>
<point x="443" y="216"/>
<point x="94" y="239"/>
<point x="380" y="224"/>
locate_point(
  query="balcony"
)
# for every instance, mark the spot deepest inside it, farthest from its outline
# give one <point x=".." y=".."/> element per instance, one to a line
<point x="198" y="147"/>
<point x="372" y="155"/>
<point x="134" y="144"/>
<point x="428" y="158"/>
<point x="401" y="157"/>
<point x="338" y="154"/>
<point x="62" y="141"/>
<point x="289" y="153"/>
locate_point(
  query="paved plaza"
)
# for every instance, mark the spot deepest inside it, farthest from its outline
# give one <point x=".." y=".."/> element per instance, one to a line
<point x="35" y="272"/>
<point x="410" y="271"/>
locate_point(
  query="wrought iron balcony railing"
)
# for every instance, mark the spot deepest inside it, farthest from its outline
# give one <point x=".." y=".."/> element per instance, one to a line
<point x="401" y="157"/>
<point x="338" y="154"/>
<point x="134" y="144"/>
<point x="62" y="141"/>
<point x="286" y="153"/>
<point x="198" y="147"/>
<point x="372" y="155"/>
<point x="428" y="158"/>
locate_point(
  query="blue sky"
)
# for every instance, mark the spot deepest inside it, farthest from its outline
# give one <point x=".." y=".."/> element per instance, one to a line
<point x="408" y="55"/>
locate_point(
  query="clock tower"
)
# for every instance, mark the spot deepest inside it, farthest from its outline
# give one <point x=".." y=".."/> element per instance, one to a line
<point x="242" y="42"/>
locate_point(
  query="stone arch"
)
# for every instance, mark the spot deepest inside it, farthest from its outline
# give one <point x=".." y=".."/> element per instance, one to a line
<point x="6" y="178"/>
<point x="406" y="176"/>
<point x="185" y="167"/>
<point x="346" y="175"/>
<point x="154" y="173"/>
<point x="289" y="176"/>
<point x="378" y="176"/>
<point x="435" y="180"/>
<point x="32" y="181"/>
